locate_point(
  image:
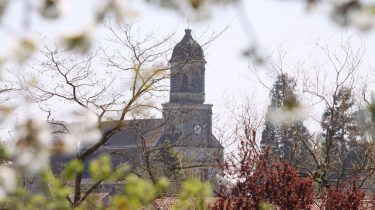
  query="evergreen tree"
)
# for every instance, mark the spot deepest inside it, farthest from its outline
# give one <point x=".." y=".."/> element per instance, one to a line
<point x="286" y="141"/>
<point x="341" y="136"/>
<point x="366" y="118"/>
<point x="167" y="162"/>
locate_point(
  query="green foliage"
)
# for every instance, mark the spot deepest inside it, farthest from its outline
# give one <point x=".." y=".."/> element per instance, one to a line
<point x="284" y="134"/>
<point x="194" y="195"/>
<point x="52" y="197"/>
<point x="366" y="117"/>
<point x="120" y="172"/>
<point x="72" y="169"/>
<point x="4" y="156"/>
<point x="138" y="193"/>
<point x="55" y="192"/>
<point x="266" y="206"/>
<point x="341" y="133"/>
<point x="371" y="109"/>
<point x="169" y="160"/>
<point x="101" y="168"/>
<point x="92" y="202"/>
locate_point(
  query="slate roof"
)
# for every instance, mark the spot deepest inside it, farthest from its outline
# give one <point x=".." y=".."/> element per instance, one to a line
<point x="133" y="131"/>
<point x="130" y="134"/>
<point x="187" y="49"/>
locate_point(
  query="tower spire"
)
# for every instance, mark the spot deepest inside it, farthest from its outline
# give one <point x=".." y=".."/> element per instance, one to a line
<point x="187" y="71"/>
<point x="188" y="22"/>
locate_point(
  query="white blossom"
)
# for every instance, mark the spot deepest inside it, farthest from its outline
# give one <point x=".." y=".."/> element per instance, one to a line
<point x="52" y="9"/>
<point x="69" y="144"/>
<point x="31" y="151"/>
<point x="8" y="181"/>
<point x="32" y="160"/>
<point x="83" y="131"/>
<point x="288" y="116"/>
<point x="339" y="2"/>
<point x="363" y="19"/>
<point x="24" y="48"/>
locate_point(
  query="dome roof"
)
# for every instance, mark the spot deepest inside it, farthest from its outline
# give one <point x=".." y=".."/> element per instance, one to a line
<point x="187" y="49"/>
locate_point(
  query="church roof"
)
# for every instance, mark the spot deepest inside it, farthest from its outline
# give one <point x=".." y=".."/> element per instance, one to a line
<point x="187" y="50"/>
<point x="133" y="132"/>
<point x="130" y="137"/>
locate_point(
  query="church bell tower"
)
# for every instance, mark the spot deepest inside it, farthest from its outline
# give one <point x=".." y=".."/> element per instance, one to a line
<point x="187" y="71"/>
<point x="188" y="121"/>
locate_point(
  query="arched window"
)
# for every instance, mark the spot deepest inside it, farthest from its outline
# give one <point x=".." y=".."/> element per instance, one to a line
<point x="202" y="83"/>
<point x="197" y="84"/>
<point x="174" y="83"/>
<point x="184" y="83"/>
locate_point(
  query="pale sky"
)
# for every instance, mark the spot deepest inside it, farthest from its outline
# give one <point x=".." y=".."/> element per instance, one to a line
<point x="279" y="26"/>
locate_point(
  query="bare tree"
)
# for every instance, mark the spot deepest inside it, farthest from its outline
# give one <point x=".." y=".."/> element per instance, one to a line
<point x="339" y="150"/>
<point x="136" y="66"/>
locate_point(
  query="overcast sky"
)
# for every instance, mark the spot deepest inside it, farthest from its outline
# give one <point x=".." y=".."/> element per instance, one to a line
<point x="277" y="26"/>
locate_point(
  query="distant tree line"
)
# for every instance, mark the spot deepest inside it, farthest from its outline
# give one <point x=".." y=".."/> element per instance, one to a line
<point x="339" y="151"/>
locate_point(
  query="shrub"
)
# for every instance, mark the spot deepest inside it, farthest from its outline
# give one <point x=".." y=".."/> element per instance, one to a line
<point x="349" y="196"/>
<point x="258" y="181"/>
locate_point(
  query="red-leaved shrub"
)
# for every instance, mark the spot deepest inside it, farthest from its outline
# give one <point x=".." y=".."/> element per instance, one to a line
<point x="347" y="197"/>
<point x="256" y="180"/>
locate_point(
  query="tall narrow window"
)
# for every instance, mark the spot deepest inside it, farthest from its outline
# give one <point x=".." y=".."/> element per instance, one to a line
<point x="185" y="83"/>
<point x="204" y="174"/>
<point x="197" y="86"/>
<point x="202" y="83"/>
<point x="173" y="83"/>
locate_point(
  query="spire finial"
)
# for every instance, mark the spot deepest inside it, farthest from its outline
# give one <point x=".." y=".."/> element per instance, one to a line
<point x="188" y="26"/>
<point x="187" y="32"/>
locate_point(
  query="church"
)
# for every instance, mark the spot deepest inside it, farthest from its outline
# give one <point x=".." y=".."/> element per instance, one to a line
<point x="184" y="131"/>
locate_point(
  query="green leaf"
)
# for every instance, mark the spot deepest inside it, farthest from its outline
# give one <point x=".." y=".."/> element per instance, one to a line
<point x="72" y="169"/>
<point x="162" y="184"/>
<point x="193" y="195"/>
<point x="120" y="172"/>
<point x="3" y="153"/>
<point x="266" y="206"/>
<point x="101" y="168"/>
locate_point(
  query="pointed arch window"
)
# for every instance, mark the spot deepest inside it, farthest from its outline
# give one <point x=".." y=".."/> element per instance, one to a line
<point x="174" y="82"/>
<point x="197" y="83"/>
<point x="184" y="83"/>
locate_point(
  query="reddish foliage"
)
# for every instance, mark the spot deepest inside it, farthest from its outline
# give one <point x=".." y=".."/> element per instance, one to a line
<point x="257" y="180"/>
<point x="348" y="197"/>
